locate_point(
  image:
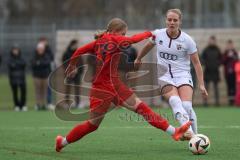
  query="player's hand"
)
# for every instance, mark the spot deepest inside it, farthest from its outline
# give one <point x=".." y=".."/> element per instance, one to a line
<point x="137" y="63"/>
<point x="71" y="71"/>
<point x="203" y="91"/>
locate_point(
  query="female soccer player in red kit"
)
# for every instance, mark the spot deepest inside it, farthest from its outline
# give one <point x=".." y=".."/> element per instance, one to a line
<point x="107" y="87"/>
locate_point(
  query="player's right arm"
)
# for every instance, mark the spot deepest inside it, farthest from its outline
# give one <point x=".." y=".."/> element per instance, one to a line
<point x="72" y="67"/>
<point x="145" y="50"/>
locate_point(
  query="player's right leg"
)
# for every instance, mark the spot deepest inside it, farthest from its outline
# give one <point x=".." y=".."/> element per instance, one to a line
<point x="135" y="104"/>
<point x="185" y="93"/>
<point x="97" y="112"/>
<point x="79" y="131"/>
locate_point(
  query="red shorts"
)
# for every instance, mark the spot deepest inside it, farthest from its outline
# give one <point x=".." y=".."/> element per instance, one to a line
<point x="102" y="95"/>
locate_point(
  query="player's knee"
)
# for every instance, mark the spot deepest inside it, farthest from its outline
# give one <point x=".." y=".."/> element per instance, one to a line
<point x="137" y="102"/>
<point x="96" y="121"/>
<point x="132" y="102"/>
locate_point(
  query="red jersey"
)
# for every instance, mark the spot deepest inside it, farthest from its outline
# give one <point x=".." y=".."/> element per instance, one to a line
<point x="107" y="50"/>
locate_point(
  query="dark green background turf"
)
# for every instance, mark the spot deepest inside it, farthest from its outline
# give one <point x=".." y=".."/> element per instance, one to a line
<point x="122" y="135"/>
<point x="30" y="135"/>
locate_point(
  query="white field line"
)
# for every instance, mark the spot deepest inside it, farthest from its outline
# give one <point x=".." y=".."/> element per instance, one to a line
<point x="120" y="127"/>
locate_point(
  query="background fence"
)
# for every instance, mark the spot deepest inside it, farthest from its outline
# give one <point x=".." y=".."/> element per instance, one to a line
<point x="23" y="22"/>
<point x="26" y="38"/>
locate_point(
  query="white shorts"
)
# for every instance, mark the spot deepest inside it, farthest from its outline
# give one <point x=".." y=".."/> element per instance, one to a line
<point x="175" y="81"/>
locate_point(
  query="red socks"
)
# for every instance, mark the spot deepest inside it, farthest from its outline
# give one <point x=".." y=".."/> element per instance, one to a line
<point x="152" y="118"/>
<point x="86" y="127"/>
<point x="79" y="131"/>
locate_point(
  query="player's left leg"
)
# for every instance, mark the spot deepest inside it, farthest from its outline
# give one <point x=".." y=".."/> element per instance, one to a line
<point x="185" y="93"/>
<point x="135" y="104"/>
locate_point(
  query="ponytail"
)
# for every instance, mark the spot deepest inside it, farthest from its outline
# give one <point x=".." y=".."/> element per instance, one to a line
<point x="99" y="33"/>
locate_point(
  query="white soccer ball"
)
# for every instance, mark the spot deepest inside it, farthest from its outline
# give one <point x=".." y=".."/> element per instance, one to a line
<point x="199" y="144"/>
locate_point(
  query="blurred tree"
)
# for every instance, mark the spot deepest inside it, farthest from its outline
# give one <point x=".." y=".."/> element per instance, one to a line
<point x="86" y="14"/>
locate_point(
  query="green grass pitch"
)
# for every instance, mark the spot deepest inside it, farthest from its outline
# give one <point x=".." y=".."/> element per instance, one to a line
<point x="30" y="135"/>
<point x="122" y="135"/>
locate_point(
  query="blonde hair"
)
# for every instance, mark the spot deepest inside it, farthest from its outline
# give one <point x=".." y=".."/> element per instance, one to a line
<point x="177" y="11"/>
<point x="114" y="25"/>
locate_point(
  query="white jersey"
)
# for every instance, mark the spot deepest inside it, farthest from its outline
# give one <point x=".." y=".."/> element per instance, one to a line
<point x="173" y="54"/>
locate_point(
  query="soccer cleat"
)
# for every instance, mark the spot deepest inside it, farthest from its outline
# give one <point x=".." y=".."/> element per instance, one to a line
<point x="58" y="145"/>
<point x="179" y="132"/>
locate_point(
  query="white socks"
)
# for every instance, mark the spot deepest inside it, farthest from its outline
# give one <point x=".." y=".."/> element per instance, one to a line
<point x="187" y="105"/>
<point x="64" y="142"/>
<point x="179" y="112"/>
<point x="170" y="130"/>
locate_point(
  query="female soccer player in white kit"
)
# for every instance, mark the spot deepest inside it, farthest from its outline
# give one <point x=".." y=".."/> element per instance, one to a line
<point x="175" y="49"/>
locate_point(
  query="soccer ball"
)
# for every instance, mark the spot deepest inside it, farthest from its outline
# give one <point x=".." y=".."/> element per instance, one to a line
<point x="199" y="144"/>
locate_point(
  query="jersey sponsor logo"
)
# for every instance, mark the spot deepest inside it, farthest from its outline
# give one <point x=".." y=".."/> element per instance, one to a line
<point x="168" y="56"/>
<point x="111" y="47"/>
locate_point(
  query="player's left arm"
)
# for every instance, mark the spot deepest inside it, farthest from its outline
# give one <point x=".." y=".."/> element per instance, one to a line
<point x="193" y="52"/>
<point x="136" y="38"/>
<point x="198" y="67"/>
<point x="199" y="72"/>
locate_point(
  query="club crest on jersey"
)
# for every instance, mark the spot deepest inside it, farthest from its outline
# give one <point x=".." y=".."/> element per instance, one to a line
<point x="179" y="46"/>
<point x="160" y="42"/>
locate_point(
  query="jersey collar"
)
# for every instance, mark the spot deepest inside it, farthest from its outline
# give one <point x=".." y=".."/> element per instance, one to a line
<point x="179" y="33"/>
